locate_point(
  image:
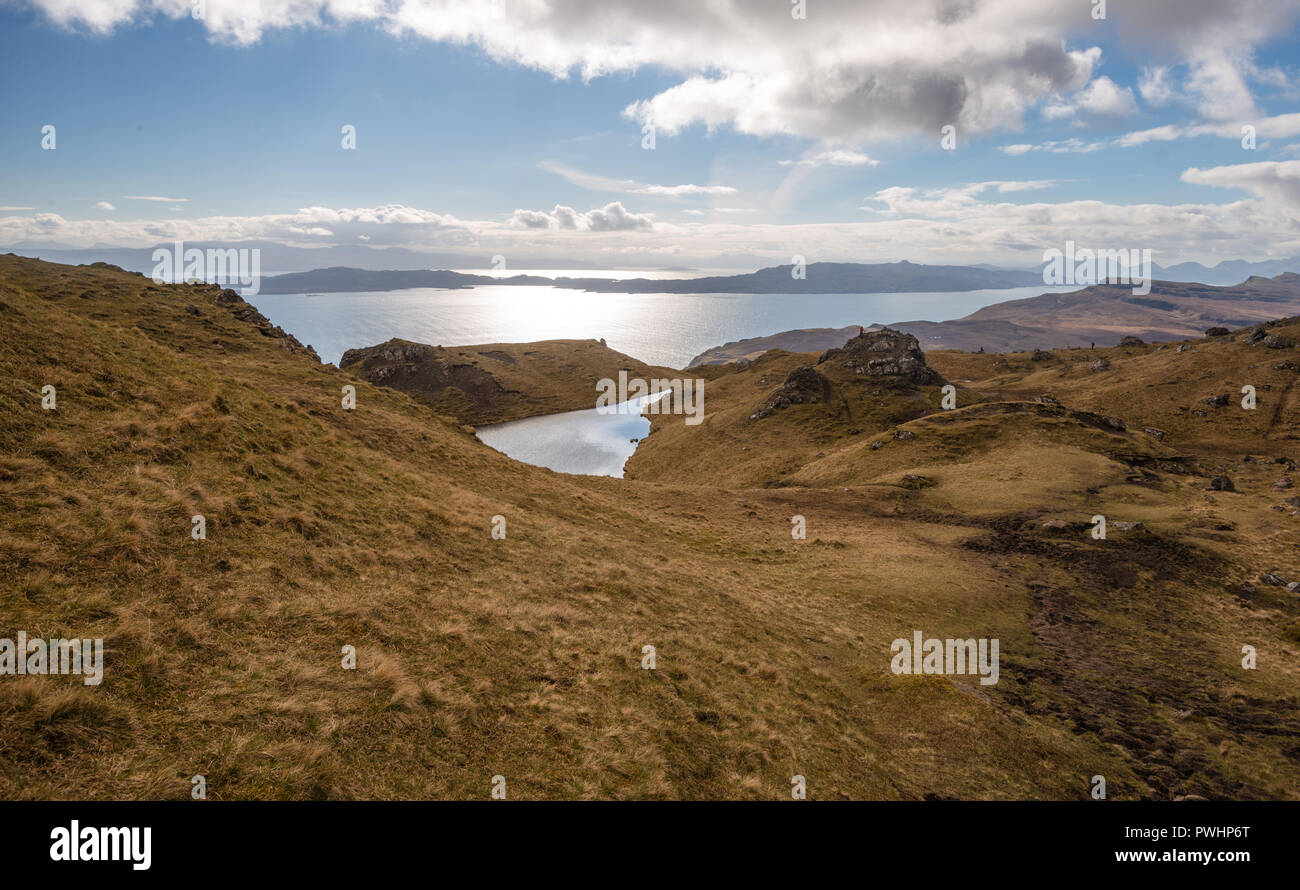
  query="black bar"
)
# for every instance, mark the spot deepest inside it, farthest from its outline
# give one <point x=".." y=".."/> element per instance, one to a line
<point x="657" y="841"/>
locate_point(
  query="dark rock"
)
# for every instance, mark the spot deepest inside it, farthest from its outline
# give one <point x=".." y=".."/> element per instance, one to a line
<point x="1219" y="401"/>
<point x="1221" y="483"/>
<point x="1047" y="400"/>
<point x="1276" y="341"/>
<point x="884" y="353"/>
<point x="424" y="372"/>
<point x="1132" y="341"/>
<point x="1158" y="435"/>
<point x="191" y="309"/>
<point x="1217" y="332"/>
<point x="802" y="386"/>
<point x="1040" y="355"/>
<point x="1101" y="364"/>
<point x="1108" y="423"/>
<point x="1273" y="578"/>
<point x="904" y="435"/>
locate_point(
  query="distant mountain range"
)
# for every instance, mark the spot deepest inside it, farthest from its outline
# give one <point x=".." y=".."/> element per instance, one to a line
<point x="1102" y="314"/>
<point x="816" y="278"/>
<point x="394" y="267"/>
<point x="1227" y="272"/>
<point x="282" y="258"/>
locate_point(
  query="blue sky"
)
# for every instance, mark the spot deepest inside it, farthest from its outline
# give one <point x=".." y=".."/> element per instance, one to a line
<point x="487" y="137"/>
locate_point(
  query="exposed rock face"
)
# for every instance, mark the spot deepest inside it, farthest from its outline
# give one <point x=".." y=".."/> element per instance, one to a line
<point x="248" y="313"/>
<point x="1101" y="421"/>
<point x="1132" y="341"/>
<point x="419" y="368"/>
<point x="884" y="353"/>
<point x="1217" y="332"/>
<point x="803" y="385"/>
<point x="1101" y="364"/>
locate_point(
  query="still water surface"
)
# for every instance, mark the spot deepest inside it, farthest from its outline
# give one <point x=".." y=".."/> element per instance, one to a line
<point x="592" y="442"/>
<point x="660" y="329"/>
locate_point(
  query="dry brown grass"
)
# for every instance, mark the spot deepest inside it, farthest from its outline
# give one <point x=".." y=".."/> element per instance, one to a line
<point x="521" y="657"/>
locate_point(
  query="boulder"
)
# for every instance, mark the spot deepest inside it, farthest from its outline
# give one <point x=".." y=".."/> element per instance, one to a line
<point x="1221" y="483"/>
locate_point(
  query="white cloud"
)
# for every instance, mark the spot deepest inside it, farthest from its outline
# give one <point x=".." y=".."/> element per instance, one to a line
<point x="157" y="198"/>
<point x="1154" y="85"/>
<point x="1102" y="97"/>
<point x="1219" y="79"/>
<point x="104" y="205"/>
<point x="1274" y="182"/>
<point x="1282" y="126"/>
<point x="1106" y="98"/>
<point x="596" y="183"/>
<point x="1065" y="146"/>
<point x="956" y="201"/>
<point x="11" y="208"/>
<point x="391" y="224"/>
<point x="855" y="70"/>
<point x="833" y="157"/>
<point x="968" y="224"/>
<point x="612" y="217"/>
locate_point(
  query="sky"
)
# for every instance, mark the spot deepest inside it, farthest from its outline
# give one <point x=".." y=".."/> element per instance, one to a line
<point x="657" y="134"/>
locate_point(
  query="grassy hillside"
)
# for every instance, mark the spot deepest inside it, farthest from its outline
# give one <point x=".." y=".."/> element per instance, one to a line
<point x="522" y="657"/>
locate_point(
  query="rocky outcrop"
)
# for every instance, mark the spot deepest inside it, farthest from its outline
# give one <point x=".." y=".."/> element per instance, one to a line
<point x="884" y="353"/>
<point x="247" y="312"/>
<point x="887" y="354"/>
<point x="422" y="370"/>
<point x="802" y="386"/>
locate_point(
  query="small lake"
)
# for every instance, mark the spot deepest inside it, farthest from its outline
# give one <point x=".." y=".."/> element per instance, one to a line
<point x="592" y="442"/>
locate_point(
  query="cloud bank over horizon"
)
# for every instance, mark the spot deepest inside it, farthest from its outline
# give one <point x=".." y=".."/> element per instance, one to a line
<point x="969" y="223"/>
